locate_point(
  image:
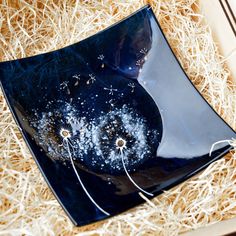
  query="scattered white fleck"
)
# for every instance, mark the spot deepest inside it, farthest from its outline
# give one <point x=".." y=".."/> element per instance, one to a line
<point x="111" y="90"/>
<point x="92" y="79"/>
<point x="112" y="102"/>
<point x="64" y="85"/>
<point x="132" y="85"/>
<point x="77" y="77"/>
<point x="101" y="57"/>
<point x="138" y="62"/>
<point x="100" y="142"/>
<point x="143" y="51"/>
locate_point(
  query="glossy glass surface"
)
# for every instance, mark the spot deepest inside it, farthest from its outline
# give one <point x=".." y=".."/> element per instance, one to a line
<point x="111" y="116"/>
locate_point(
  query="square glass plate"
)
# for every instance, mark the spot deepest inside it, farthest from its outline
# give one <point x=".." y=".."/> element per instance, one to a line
<point x="112" y="116"/>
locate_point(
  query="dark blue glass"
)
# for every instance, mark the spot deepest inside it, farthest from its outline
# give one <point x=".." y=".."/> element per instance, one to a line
<point x="112" y="116"/>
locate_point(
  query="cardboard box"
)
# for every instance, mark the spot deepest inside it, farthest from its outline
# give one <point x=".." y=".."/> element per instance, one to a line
<point x="221" y="16"/>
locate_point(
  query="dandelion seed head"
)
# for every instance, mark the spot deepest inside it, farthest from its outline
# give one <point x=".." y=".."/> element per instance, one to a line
<point x="65" y="133"/>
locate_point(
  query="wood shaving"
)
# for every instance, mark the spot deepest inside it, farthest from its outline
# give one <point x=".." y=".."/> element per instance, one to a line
<point x="27" y="206"/>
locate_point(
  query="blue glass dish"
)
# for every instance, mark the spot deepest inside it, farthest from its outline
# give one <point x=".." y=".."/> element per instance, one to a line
<point x="112" y="116"/>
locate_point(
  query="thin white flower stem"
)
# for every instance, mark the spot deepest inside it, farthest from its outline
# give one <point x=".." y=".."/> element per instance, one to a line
<point x="130" y="178"/>
<point x="218" y="142"/>
<point x="81" y="183"/>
